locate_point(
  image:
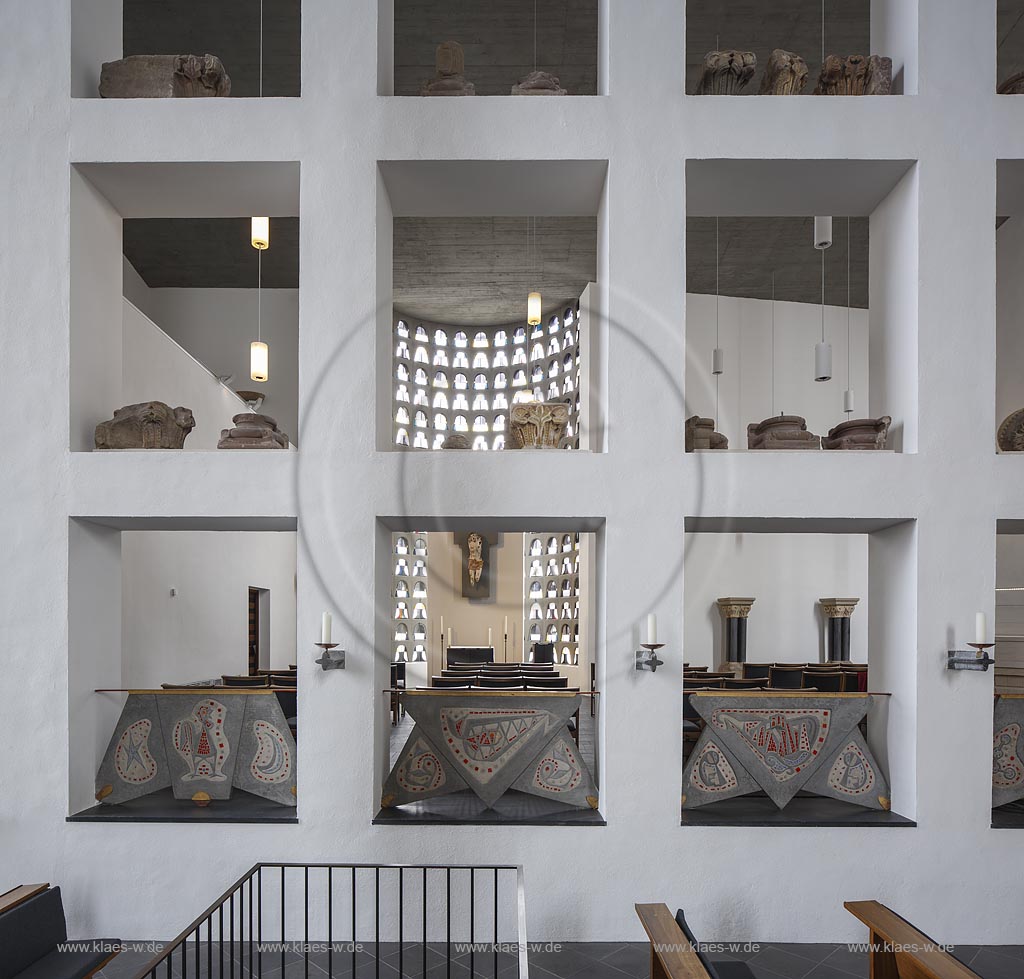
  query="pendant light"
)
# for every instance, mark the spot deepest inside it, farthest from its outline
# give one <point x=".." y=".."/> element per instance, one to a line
<point x="259" y="352"/>
<point x="822" y="350"/>
<point x="718" y="355"/>
<point x="533" y="300"/>
<point x="773" y="343"/>
<point x="848" y="393"/>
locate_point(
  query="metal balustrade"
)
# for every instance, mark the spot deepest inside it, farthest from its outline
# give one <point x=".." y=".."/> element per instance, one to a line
<point x="293" y="919"/>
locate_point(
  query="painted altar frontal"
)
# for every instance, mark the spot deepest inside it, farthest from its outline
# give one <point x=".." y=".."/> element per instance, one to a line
<point x="1008" y="750"/>
<point x="490" y="743"/>
<point x="782" y="744"/>
<point x="201" y="743"/>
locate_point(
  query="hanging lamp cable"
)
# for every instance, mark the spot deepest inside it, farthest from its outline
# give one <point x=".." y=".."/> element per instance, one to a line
<point x="823" y="33"/>
<point x="773" y="342"/>
<point x="534" y="35"/>
<point x="823" y="295"/>
<point x="259" y="294"/>
<point x="261" y="48"/>
<point x="717" y="285"/>
<point x="847" y="303"/>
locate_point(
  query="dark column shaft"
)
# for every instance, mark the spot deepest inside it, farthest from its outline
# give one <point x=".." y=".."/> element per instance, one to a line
<point x="736" y="640"/>
<point x="839" y="638"/>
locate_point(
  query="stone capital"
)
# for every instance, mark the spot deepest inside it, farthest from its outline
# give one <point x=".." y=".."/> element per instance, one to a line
<point x="734" y="608"/>
<point x="838" y="608"/>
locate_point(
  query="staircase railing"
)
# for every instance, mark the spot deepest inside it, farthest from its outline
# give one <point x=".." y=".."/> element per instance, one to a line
<point x="355" y="919"/>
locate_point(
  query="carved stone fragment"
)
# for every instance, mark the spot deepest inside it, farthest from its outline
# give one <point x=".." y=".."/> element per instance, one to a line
<point x="538" y="83"/>
<point x="456" y="441"/>
<point x="1014" y="85"/>
<point x="856" y="74"/>
<point x="150" y="425"/>
<point x="1010" y="437"/>
<point x="781" y="432"/>
<point x="785" y="74"/>
<point x="253" y="431"/>
<point x="450" y="63"/>
<point x="538" y="425"/>
<point x="701" y="434"/>
<point x="726" y="72"/>
<point x="858" y="433"/>
<point x="164" y="76"/>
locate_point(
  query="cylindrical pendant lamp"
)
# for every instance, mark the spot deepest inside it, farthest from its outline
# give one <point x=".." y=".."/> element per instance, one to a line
<point x="823" y="361"/>
<point x="260" y="235"/>
<point x="533" y="308"/>
<point x="822" y="232"/>
<point x="848" y="401"/>
<point x="718" y="361"/>
<point x="259" y="360"/>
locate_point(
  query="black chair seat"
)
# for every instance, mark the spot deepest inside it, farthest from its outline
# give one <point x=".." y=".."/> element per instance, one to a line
<point x="728" y="969"/>
<point x="69" y="965"/>
<point x="689" y="727"/>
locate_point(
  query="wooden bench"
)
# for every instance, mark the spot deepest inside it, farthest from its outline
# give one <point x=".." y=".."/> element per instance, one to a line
<point x="675" y="953"/>
<point x="901" y="951"/>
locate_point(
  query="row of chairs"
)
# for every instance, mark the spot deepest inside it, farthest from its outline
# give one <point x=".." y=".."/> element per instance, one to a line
<point x="522" y="681"/>
<point x="834" y="679"/>
<point x="262" y="679"/>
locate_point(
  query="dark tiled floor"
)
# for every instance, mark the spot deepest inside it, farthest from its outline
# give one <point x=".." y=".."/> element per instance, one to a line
<point x="571" y="960"/>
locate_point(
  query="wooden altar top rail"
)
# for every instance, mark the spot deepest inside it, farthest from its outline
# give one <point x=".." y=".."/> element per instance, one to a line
<point x="782" y="692"/>
<point x="229" y="691"/>
<point x="490" y="692"/>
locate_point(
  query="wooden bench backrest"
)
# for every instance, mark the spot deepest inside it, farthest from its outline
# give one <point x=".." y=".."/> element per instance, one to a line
<point x="20" y="894"/>
<point x="903" y="962"/>
<point x="671" y="954"/>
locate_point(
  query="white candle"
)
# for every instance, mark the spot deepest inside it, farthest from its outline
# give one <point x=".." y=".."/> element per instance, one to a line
<point x="442" y="628"/>
<point x="325" y="628"/>
<point x="506" y="626"/>
<point x="980" y="630"/>
<point x="449" y="635"/>
<point x="652" y="628"/>
<point x="489" y="643"/>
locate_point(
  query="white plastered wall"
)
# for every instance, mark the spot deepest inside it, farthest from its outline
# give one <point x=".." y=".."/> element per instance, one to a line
<point x="745" y="389"/>
<point x="786" y="574"/>
<point x="954" y="486"/>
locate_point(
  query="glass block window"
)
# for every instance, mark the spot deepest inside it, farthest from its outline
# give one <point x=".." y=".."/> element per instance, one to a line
<point x="409" y="591"/>
<point x="551" y="596"/>
<point x="479" y="367"/>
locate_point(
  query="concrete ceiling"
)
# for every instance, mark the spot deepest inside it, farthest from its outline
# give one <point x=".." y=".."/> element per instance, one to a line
<point x="751" y="249"/>
<point x="497" y="37"/>
<point x="230" y="29"/>
<point x="794" y="25"/>
<point x="474" y="271"/>
<point x="210" y="253"/>
<point x="482" y="188"/>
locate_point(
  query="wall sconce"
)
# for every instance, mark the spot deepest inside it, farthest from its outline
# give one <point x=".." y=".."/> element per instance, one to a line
<point x="978" y="661"/>
<point x="329" y="659"/>
<point x="647" y="658"/>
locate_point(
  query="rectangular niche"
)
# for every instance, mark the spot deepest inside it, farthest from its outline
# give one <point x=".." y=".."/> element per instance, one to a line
<point x="460" y="247"/>
<point x="887" y="28"/>
<point x="1009" y="415"/>
<point x="1008" y="635"/>
<point x="164" y="298"/>
<point x="797" y="572"/>
<point x="497" y="40"/>
<point x="155" y="602"/>
<point x="764" y="215"/>
<point x="1009" y="47"/>
<point x="542" y="578"/>
<point x="108" y="30"/>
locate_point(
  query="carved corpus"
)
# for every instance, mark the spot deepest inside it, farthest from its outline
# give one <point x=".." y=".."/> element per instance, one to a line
<point x="785" y="74"/>
<point x="538" y="83"/>
<point x="150" y="425"/>
<point x="781" y="432"/>
<point x="858" y="433"/>
<point x="735" y="608"/>
<point x="538" y="425"/>
<point x="164" y="76"/>
<point x="701" y="434"/>
<point x="474" y="558"/>
<point x="855" y="75"/>
<point x="253" y="431"/>
<point x="726" y="72"/>
<point x="450" y="62"/>
<point x="1010" y="437"/>
<point x="838" y="608"/>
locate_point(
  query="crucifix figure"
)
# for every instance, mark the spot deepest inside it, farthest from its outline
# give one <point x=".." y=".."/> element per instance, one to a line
<point x="476" y="581"/>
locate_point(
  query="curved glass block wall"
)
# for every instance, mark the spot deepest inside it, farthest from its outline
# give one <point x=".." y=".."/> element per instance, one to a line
<point x="409" y="595"/>
<point x="450" y="380"/>
<point x="551" y="594"/>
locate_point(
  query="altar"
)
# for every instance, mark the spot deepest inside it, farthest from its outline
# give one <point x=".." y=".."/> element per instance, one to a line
<point x="201" y="742"/>
<point x="491" y="743"/>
